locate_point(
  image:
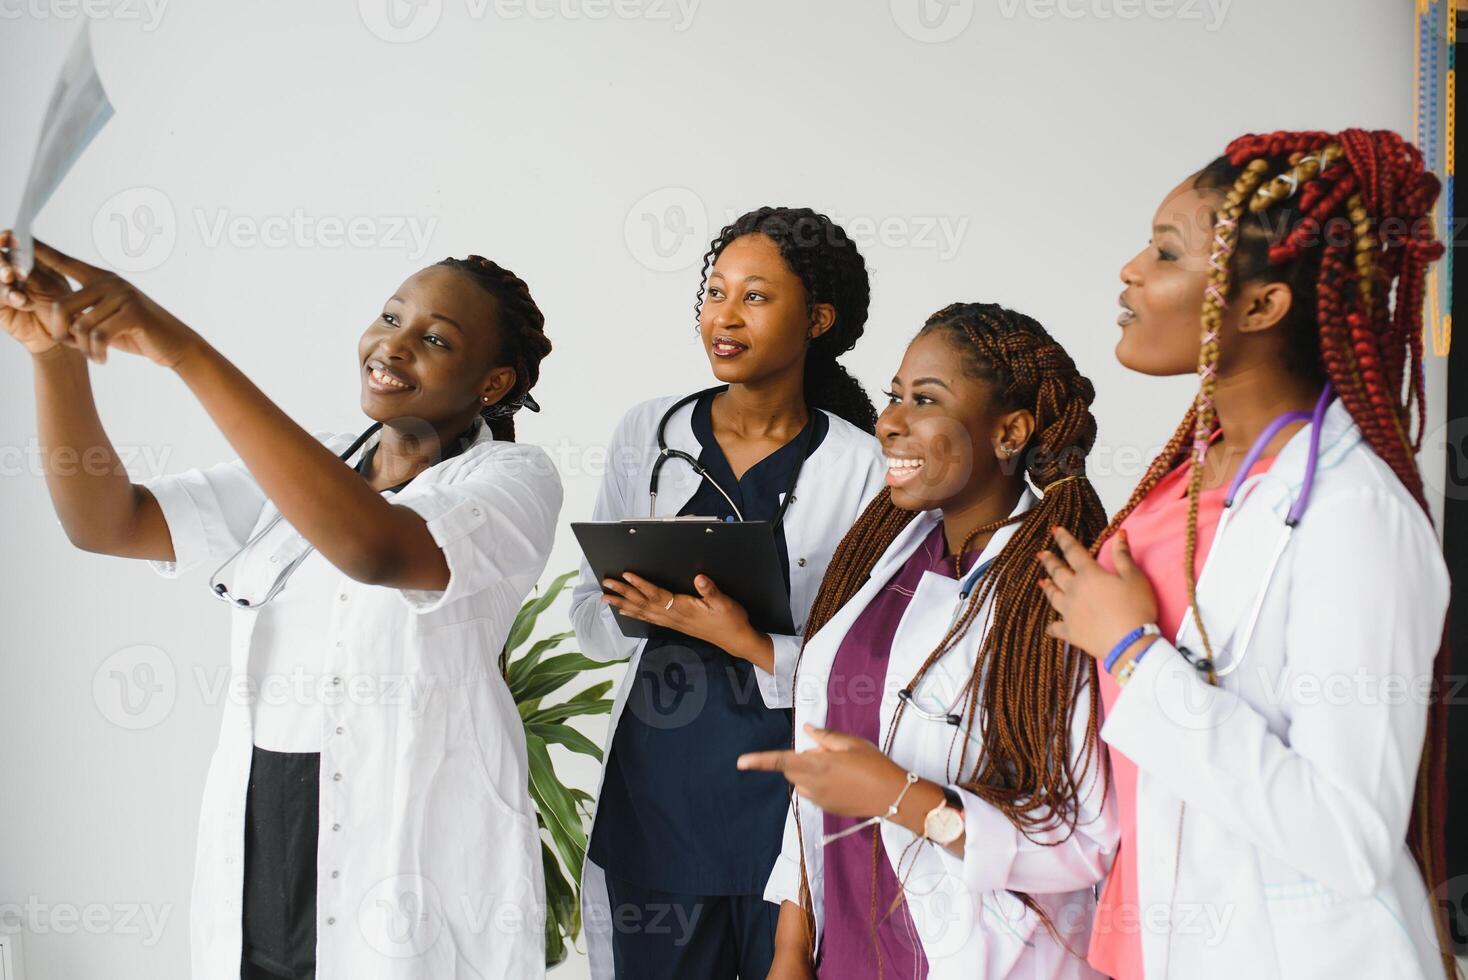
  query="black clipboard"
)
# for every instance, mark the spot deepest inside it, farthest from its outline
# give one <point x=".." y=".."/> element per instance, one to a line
<point x="739" y="556"/>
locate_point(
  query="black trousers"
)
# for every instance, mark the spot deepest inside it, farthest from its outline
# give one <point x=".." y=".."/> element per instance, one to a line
<point x="666" y="936"/>
<point x="249" y="971"/>
<point x="281" y="825"/>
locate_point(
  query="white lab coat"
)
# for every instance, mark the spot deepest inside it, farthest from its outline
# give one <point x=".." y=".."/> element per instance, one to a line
<point x="1290" y="860"/>
<point x="837" y="481"/>
<point x="969" y="924"/>
<point x="429" y="862"/>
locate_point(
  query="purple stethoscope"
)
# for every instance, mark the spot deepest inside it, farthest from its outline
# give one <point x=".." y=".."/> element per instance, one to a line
<point x="1292" y="519"/>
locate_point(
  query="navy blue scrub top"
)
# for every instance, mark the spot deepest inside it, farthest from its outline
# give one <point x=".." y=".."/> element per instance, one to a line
<point x="675" y="815"/>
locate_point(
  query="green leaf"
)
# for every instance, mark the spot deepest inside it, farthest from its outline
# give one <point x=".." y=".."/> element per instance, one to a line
<point x="554" y="674"/>
<point x="531" y="610"/>
<point x="567" y="736"/>
<point x="583" y="801"/>
<point x="560" y="811"/>
<point x="562" y="908"/>
<point x="522" y="668"/>
<point x="557" y="806"/>
<point x="591" y="693"/>
<point x="567" y="710"/>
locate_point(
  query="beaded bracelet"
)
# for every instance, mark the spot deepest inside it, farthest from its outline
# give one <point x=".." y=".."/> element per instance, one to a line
<point x="1150" y="629"/>
<point x="911" y="777"/>
<point x="1125" y="674"/>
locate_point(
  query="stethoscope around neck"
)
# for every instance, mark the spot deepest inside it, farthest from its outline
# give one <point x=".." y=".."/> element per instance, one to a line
<point x="220" y="590"/>
<point x="666" y="452"/>
<point x="966" y="585"/>
<point x="1292" y="517"/>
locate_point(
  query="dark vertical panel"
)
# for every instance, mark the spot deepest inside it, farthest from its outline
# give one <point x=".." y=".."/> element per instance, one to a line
<point x="1455" y="545"/>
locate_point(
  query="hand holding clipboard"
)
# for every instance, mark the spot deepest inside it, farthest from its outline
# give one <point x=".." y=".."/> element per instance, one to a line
<point x="713" y="564"/>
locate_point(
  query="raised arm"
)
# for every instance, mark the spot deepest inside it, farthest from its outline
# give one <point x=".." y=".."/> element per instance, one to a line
<point x="345" y="519"/>
<point x="99" y="508"/>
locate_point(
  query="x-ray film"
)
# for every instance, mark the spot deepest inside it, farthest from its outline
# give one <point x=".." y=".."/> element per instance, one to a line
<point x="78" y="110"/>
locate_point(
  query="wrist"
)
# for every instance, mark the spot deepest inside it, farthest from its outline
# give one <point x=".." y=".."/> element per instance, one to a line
<point x="1132" y="652"/>
<point x="1127" y="664"/>
<point x="755" y="647"/>
<point x="190" y="352"/>
<point x="1111" y="660"/>
<point x="55" y="352"/>
<point x="919" y="801"/>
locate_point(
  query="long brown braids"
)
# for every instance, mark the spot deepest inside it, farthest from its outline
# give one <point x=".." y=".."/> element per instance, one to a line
<point x="1345" y="221"/>
<point x="1024" y="684"/>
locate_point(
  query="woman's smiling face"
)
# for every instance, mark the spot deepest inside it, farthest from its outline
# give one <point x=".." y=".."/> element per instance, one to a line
<point x="754" y="321"/>
<point x="942" y="430"/>
<point x="427" y="355"/>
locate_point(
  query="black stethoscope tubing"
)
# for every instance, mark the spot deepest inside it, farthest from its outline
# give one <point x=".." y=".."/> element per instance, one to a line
<point x="665" y="452"/>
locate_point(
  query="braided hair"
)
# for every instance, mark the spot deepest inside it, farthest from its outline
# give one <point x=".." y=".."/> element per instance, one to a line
<point x="1031" y="682"/>
<point x="1344" y="222"/>
<point x="827" y="263"/>
<point x="523" y="343"/>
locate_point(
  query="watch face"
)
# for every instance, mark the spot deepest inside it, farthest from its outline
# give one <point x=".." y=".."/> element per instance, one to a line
<point x="943" y="825"/>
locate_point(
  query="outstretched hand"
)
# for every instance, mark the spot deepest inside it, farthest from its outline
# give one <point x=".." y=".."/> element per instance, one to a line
<point x="25" y="295"/>
<point x="845" y="775"/>
<point x="105" y="312"/>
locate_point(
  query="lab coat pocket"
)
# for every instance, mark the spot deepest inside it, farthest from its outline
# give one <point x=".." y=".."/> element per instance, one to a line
<point x="496" y="741"/>
<point x="1318" y="932"/>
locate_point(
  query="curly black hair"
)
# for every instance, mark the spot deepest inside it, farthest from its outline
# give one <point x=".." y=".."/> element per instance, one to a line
<point x="827" y="262"/>
<point x="523" y="343"/>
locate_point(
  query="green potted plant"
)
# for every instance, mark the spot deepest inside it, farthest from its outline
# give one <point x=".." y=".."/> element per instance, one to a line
<point x="533" y="676"/>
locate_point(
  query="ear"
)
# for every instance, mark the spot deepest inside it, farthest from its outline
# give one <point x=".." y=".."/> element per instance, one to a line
<point x="496" y="385"/>
<point x="822" y="318"/>
<point x="1014" y="430"/>
<point x="1262" y="305"/>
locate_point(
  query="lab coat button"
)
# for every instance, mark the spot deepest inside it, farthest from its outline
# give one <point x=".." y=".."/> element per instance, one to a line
<point x="336" y="874"/>
<point x="801" y="563"/>
<point x="338" y="729"/>
<point x="337" y="777"/>
<point x="331" y="920"/>
<point x="336" y="826"/>
<point x="343" y="597"/>
<point x="336" y="681"/>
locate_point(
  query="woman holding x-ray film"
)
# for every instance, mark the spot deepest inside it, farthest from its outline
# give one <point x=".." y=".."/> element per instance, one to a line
<point x="365" y="626"/>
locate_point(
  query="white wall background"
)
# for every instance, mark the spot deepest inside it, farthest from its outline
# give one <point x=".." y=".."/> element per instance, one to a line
<point x="1010" y="151"/>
